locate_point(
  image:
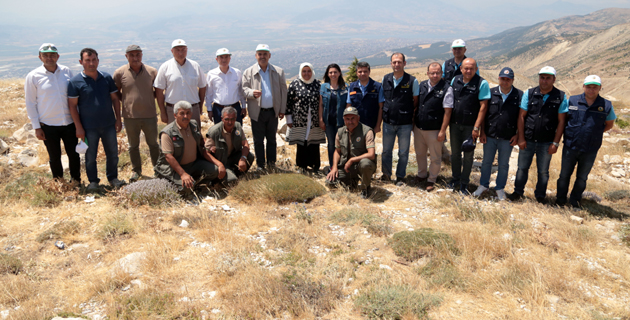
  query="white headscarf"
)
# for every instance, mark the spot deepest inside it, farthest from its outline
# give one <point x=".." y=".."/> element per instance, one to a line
<point x="306" y="64"/>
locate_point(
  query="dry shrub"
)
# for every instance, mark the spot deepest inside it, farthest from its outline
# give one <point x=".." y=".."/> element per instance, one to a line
<point x="149" y="304"/>
<point x="59" y="230"/>
<point x="442" y="272"/>
<point x="624" y="234"/>
<point x="9" y="264"/>
<point x="153" y="192"/>
<point x="522" y="278"/>
<point x="15" y="289"/>
<point x="105" y="283"/>
<point x="366" y="217"/>
<point x="413" y="245"/>
<point x="472" y="210"/>
<point x="395" y="302"/>
<point x="116" y="225"/>
<point x="279" y="188"/>
<point x="480" y="245"/>
<point x="196" y="219"/>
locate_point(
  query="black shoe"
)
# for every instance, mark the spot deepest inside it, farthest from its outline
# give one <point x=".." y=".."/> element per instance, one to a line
<point x="365" y="193"/>
<point x="575" y="205"/>
<point x="561" y="202"/>
<point x="515" y="196"/>
<point x="463" y="188"/>
<point x="452" y="184"/>
<point x="542" y="200"/>
<point x="400" y="182"/>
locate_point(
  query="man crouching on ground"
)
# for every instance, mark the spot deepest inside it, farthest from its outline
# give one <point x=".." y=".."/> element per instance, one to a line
<point x="227" y="143"/>
<point x="183" y="159"/>
<point x="354" y="153"/>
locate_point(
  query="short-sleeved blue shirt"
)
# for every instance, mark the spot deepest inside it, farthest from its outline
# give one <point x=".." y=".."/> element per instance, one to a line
<point x="95" y="101"/>
<point x="564" y="106"/>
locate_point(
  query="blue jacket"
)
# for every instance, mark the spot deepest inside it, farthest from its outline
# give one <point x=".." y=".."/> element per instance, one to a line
<point x="585" y="124"/>
<point x="342" y="96"/>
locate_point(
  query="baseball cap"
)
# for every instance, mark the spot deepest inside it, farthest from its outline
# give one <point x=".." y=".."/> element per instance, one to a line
<point x="469" y="144"/>
<point x="262" y="47"/>
<point x="223" y="51"/>
<point x="459" y="43"/>
<point x="48" y="47"/>
<point x="548" y="70"/>
<point x="133" y="47"/>
<point x="178" y="43"/>
<point x="506" y="73"/>
<point x="351" y="110"/>
<point x="593" y="79"/>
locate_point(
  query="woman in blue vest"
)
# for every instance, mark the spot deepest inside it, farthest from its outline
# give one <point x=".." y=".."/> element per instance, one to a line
<point x="302" y="115"/>
<point x="332" y="100"/>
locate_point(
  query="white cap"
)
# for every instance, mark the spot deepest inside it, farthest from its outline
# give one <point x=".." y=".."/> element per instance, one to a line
<point x="459" y="43"/>
<point x="262" y="47"/>
<point x="223" y="51"/>
<point x="593" y="79"/>
<point x="548" y="70"/>
<point x="178" y="43"/>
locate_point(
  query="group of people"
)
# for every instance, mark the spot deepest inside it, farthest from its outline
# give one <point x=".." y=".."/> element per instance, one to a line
<point x="346" y="116"/>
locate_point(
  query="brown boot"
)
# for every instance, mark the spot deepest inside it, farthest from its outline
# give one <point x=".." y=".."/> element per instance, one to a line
<point x="430" y="186"/>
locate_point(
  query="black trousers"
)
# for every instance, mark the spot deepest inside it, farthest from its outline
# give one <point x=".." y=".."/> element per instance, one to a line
<point x="308" y="156"/>
<point x="67" y="134"/>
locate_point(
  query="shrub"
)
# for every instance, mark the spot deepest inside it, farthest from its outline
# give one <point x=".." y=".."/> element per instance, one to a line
<point x="279" y="188"/>
<point x="9" y="264"/>
<point x="441" y="272"/>
<point x="115" y="226"/>
<point x="624" y="234"/>
<point x="395" y="302"/>
<point x="154" y="192"/>
<point x="622" y="123"/>
<point x="152" y="305"/>
<point x="617" y="195"/>
<point x="58" y="230"/>
<point x="372" y="222"/>
<point x="413" y="245"/>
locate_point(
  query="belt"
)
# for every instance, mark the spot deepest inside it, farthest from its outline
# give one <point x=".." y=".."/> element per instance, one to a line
<point x="238" y="103"/>
<point x="266" y="109"/>
<point x="172" y="105"/>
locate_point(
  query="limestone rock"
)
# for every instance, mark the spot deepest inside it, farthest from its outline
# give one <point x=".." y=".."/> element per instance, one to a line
<point x="577" y="219"/>
<point x="24" y="133"/>
<point x="279" y="141"/>
<point x="184" y="224"/>
<point x="28" y="158"/>
<point x="4" y="147"/>
<point x="131" y="263"/>
<point x="616" y="159"/>
<point x="282" y="125"/>
<point x="553" y="299"/>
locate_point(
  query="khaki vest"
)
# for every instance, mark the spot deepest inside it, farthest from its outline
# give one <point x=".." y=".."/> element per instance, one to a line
<point x="355" y="146"/>
<point x="162" y="168"/>
<point x="215" y="133"/>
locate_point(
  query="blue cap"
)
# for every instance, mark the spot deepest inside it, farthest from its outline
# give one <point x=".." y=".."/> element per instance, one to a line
<point x="506" y="73"/>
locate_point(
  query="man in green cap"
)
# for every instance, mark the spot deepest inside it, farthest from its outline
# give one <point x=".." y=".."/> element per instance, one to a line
<point x="354" y="153"/>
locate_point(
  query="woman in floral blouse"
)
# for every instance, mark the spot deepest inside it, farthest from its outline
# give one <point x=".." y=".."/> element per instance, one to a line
<point x="302" y="118"/>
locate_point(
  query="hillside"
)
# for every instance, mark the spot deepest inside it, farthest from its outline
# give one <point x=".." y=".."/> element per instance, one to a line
<point x="402" y="253"/>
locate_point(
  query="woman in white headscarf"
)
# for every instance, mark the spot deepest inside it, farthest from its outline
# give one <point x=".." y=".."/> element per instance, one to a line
<point x="302" y="118"/>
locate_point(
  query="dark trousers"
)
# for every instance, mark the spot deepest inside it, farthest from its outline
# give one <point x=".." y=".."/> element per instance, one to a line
<point x="308" y="156"/>
<point x="265" y="128"/>
<point x="67" y="134"/>
<point x="216" y="112"/>
<point x="331" y="133"/>
<point x="461" y="171"/>
<point x="201" y="170"/>
<point x="231" y="167"/>
<point x="584" y="162"/>
<point x="363" y="170"/>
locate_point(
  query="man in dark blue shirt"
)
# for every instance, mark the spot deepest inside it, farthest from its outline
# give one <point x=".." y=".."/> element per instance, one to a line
<point x="95" y="109"/>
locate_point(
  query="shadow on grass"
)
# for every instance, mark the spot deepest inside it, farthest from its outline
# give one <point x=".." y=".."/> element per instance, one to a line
<point x="379" y="195"/>
<point x="617" y="211"/>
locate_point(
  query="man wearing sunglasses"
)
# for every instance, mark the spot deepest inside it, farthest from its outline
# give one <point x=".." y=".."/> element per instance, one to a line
<point x="45" y="92"/>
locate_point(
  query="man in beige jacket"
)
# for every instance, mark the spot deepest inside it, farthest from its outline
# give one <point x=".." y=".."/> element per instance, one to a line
<point x="266" y="91"/>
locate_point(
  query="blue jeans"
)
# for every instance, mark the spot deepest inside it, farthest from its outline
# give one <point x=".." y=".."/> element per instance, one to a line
<point x="584" y="161"/>
<point x="331" y="133"/>
<point x="390" y="132"/>
<point x="110" y="145"/>
<point x="525" y="158"/>
<point x="489" y="150"/>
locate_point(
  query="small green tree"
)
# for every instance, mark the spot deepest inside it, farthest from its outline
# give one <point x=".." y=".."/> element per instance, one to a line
<point x="351" y="76"/>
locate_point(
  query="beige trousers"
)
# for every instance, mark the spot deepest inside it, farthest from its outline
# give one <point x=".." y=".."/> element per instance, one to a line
<point x="424" y="140"/>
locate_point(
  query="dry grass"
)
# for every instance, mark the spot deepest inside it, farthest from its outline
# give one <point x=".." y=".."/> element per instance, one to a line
<point x="261" y="252"/>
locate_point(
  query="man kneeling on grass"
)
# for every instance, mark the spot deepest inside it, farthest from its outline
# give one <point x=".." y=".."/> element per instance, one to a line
<point x="354" y="153"/>
<point x="227" y="143"/>
<point x="183" y="159"/>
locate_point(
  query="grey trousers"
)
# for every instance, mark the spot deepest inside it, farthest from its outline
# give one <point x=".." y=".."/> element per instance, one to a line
<point x="265" y="128"/>
<point x="149" y="126"/>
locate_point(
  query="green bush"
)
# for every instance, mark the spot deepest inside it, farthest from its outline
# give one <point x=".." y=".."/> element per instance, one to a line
<point x="617" y="195"/>
<point x="154" y="192"/>
<point x="395" y="302"/>
<point x="413" y="245"/>
<point x="279" y="188"/>
<point x="622" y="123"/>
<point x="9" y="264"/>
<point x="372" y="222"/>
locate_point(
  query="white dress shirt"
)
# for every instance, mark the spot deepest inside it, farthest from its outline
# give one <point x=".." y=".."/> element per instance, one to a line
<point x="180" y="82"/>
<point x="224" y="88"/>
<point x="46" y="95"/>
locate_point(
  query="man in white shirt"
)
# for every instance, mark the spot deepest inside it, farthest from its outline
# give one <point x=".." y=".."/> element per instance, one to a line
<point x="45" y="91"/>
<point x="224" y="89"/>
<point x="180" y="79"/>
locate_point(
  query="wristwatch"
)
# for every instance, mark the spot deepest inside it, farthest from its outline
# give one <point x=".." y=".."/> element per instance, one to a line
<point x="476" y="129"/>
<point x="556" y="144"/>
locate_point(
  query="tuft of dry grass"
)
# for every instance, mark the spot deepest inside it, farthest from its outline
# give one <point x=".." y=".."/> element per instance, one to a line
<point x="413" y="245"/>
<point x="9" y="264"/>
<point x="366" y="217"/>
<point x="118" y="224"/>
<point x="395" y="302"/>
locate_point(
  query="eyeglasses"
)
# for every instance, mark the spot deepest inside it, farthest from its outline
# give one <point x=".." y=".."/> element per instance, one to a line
<point x="48" y="47"/>
<point x="229" y="119"/>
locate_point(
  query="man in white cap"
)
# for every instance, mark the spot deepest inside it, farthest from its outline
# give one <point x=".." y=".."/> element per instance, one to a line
<point x="225" y="88"/>
<point x="452" y="67"/>
<point x="180" y="79"/>
<point x="588" y="118"/>
<point x="265" y="88"/>
<point x="45" y="92"/>
<point x="135" y="89"/>
<point x="540" y="126"/>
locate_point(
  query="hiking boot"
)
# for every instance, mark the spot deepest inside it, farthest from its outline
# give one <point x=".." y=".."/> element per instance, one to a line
<point x="515" y="196"/>
<point x="93" y="186"/>
<point x="117" y="183"/>
<point x="463" y="188"/>
<point x="134" y="177"/>
<point x="541" y="200"/>
<point x="365" y="193"/>
<point x="480" y="190"/>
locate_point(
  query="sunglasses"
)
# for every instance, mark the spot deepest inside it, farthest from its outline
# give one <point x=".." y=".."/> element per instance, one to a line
<point x="48" y="47"/>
